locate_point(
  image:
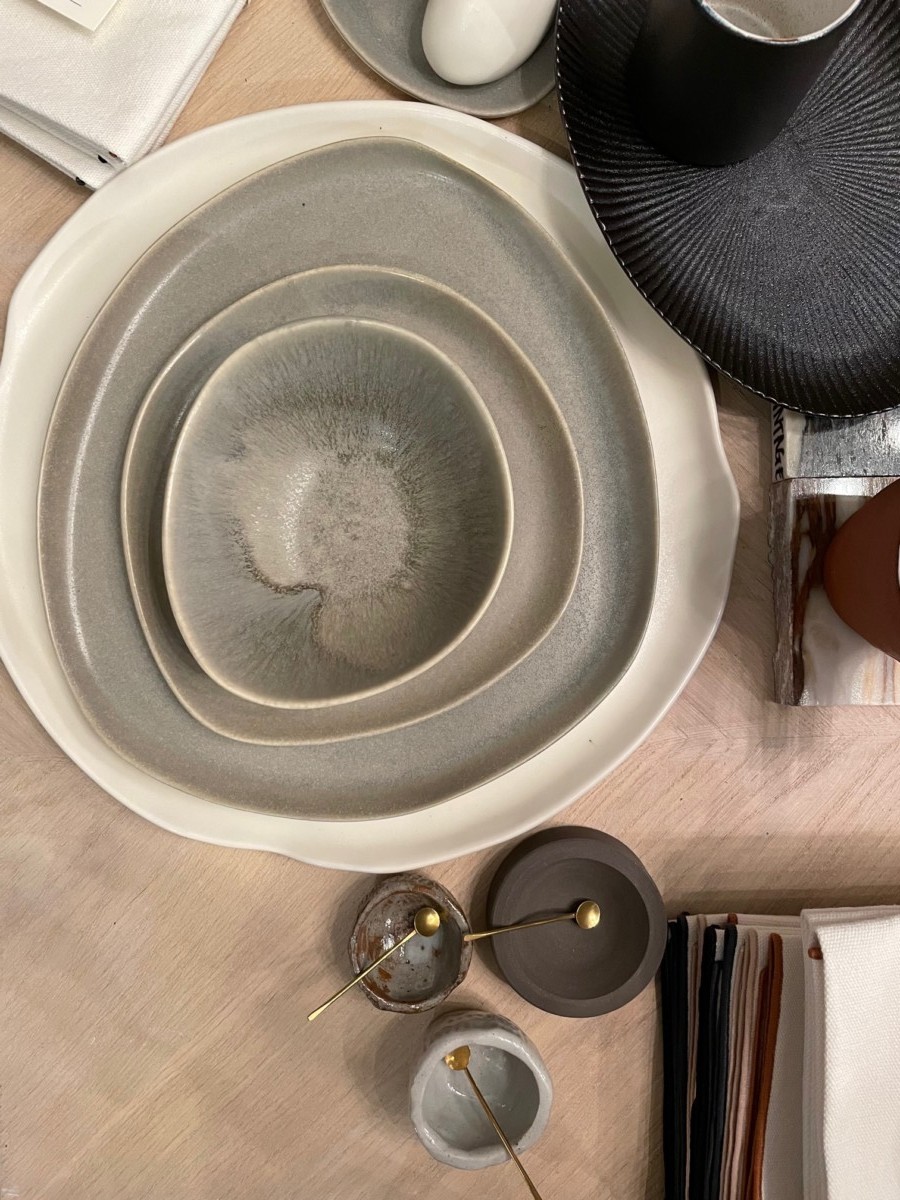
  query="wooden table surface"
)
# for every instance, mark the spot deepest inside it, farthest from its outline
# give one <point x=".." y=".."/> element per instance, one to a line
<point x="153" y="990"/>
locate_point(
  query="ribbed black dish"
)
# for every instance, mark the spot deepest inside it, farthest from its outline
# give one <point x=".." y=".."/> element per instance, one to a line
<point x="784" y="270"/>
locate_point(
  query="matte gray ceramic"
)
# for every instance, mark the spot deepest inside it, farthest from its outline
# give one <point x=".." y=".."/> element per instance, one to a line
<point x="397" y="204"/>
<point x="388" y="37"/>
<point x="547" y="529"/>
<point x="423" y="973"/>
<point x="338" y="514"/>
<point x="509" y="1072"/>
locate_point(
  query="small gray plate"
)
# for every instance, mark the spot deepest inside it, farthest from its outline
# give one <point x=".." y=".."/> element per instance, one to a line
<point x="547" y="529"/>
<point x="385" y="202"/>
<point x="387" y="36"/>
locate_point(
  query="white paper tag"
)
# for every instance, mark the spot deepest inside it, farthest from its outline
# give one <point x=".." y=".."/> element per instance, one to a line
<point x="88" y="13"/>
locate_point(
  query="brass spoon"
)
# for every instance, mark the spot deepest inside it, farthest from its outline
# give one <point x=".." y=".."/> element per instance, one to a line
<point x="426" y="923"/>
<point x="458" y="1060"/>
<point x="585" y="916"/>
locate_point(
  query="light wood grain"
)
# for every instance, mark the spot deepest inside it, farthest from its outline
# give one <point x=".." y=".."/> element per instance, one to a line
<point x="152" y="990"/>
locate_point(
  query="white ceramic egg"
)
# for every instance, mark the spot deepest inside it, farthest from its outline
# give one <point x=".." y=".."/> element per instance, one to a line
<point x="478" y="41"/>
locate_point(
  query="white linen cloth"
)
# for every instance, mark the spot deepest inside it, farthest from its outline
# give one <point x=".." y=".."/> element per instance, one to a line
<point x="851" y="1085"/>
<point x="90" y="103"/>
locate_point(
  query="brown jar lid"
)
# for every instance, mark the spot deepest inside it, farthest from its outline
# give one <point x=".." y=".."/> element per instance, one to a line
<point x="561" y="968"/>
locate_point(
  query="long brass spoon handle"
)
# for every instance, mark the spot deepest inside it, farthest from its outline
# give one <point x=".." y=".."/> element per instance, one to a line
<point x="356" y="978"/>
<point x="486" y="933"/>
<point x="507" y="1145"/>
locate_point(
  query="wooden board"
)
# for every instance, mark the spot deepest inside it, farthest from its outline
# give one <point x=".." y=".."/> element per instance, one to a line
<point x="153" y="991"/>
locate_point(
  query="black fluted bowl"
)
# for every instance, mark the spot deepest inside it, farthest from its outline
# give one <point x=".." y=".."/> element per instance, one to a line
<point x="783" y="270"/>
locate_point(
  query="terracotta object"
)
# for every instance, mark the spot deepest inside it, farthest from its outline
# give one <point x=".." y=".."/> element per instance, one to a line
<point x="561" y="968"/>
<point x="861" y="571"/>
<point x="425" y="971"/>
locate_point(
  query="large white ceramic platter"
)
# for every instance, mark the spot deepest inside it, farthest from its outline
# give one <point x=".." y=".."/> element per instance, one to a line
<point x="67" y="285"/>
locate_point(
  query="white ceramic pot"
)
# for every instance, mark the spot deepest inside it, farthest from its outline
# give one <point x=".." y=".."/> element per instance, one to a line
<point x="511" y="1075"/>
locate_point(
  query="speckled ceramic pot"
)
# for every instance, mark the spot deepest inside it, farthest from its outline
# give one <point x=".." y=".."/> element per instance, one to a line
<point x="510" y="1074"/>
<point x="425" y="971"/>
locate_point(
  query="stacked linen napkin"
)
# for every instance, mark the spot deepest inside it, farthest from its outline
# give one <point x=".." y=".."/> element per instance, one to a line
<point x="782" y="1057"/>
<point x="851" y="1080"/>
<point x="90" y="103"/>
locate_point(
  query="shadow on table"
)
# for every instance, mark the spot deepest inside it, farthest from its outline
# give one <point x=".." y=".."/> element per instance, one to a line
<point x="847" y="872"/>
<point x="343" y="918"/>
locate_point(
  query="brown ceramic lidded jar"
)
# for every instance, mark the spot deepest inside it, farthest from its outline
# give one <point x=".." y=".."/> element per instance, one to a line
<point x="562" y="968"/>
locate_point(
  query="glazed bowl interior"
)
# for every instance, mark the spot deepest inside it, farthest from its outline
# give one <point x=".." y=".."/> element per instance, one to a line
<point x="453" y="1114"/>
<point x="782" y="20"/>
<point x="423" y="972"/>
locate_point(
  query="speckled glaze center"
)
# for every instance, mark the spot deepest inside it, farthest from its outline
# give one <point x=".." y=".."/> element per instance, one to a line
<point x="342" y="529"/>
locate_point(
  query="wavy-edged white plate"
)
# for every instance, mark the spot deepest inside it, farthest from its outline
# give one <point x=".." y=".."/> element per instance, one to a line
<point x="66" y="286"/>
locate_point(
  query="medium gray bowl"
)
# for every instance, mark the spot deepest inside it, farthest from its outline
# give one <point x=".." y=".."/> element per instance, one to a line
<point x="338" y="513"/>
<point x="547" y="498"/>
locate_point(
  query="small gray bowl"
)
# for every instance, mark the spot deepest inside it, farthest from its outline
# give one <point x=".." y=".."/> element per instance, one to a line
<point x="388" y="38"/>
<point x="338" y="513"/>
<point x="423" y="973"/>
<point x="510" y="1074"/>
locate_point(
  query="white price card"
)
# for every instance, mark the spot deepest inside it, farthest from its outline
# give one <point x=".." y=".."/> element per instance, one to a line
<point x="88" y="13"/>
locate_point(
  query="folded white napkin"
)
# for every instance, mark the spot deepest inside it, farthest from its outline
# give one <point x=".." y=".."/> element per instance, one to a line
<point x="851" y="1082"/>
<point x="90" y="103"/>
